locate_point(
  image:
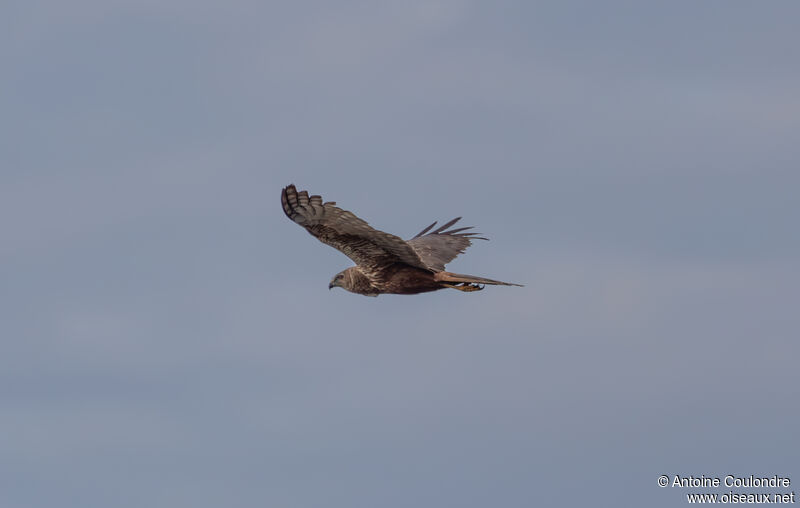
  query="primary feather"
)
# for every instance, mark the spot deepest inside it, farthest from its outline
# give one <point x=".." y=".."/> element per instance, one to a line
<point x="439" y="247"/>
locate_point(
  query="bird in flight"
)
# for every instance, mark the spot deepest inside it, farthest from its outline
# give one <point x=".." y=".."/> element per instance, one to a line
<point x="385" y="263"/>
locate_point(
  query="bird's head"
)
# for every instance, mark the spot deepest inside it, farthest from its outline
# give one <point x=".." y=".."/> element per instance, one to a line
<point x="338" y="280"/>
<point x="353" y="280"/>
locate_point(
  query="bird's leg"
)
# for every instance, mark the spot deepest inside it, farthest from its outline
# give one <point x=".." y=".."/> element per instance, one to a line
<point x="464" y="286"/>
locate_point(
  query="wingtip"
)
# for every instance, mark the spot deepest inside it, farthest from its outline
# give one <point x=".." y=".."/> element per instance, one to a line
<point x="289" y="199"/>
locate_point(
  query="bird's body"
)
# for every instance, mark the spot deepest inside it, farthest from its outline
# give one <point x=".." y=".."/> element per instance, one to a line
<point x="397" y="278"/>
<point x="385" y="263"/>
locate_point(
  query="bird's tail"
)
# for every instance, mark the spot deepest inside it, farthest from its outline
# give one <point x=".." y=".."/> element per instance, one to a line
<point x="469" y="279"/>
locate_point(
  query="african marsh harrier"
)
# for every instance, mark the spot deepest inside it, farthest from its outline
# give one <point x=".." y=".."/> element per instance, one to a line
<point x="384" y="263"/>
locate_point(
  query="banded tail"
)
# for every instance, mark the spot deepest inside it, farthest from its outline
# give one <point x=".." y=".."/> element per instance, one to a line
<point x="470" y="279"/>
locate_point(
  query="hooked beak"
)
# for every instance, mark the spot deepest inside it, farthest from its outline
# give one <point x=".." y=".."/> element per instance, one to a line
<point x="331" y="285"/>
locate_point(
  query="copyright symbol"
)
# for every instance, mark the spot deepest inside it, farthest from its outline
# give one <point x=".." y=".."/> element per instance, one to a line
<point x="663" y="480"/>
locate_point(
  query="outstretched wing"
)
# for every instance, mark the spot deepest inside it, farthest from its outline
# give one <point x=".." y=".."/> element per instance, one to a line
<point x="342" y="230"/>
<point x="439" y="247"/>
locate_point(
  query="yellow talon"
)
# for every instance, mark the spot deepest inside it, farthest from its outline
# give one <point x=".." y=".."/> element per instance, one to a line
<point x="465" y="286"/>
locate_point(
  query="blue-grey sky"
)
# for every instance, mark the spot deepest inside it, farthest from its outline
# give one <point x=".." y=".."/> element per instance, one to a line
<point x="168" y="338"/>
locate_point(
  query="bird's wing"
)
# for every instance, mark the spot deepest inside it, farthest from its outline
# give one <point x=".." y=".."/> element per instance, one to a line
<point x="342" y="230"/>
<point x="439" y="247"/>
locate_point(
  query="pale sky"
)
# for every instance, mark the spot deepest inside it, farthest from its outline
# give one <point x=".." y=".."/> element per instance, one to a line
<point x="168" y="336"/>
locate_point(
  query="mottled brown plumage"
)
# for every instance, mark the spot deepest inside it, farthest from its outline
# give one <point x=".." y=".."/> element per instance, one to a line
<point x="385" y="263"/>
